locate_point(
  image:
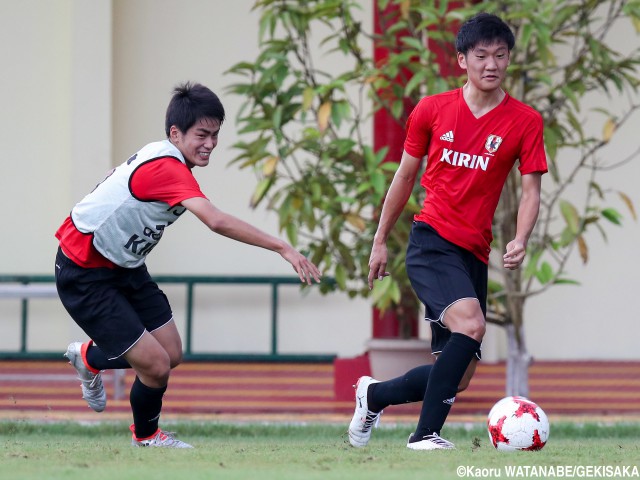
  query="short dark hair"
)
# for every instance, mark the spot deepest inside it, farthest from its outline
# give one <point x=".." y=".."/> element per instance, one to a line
<point x="483" y="28"/>
<point x="190" y="103"/>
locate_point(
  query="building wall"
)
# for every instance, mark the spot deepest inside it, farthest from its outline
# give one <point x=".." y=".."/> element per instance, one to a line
<point x="88" y="85"/>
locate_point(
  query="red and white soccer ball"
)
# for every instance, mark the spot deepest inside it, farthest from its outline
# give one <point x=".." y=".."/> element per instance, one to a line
<point x="517" y="423"/>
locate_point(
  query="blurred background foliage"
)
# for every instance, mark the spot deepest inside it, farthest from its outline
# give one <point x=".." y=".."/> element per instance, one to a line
<point x="307" y="129"/>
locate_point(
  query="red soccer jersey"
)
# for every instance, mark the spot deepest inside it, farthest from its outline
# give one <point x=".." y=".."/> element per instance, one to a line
<point x="164" y="179"/>
<point x="468" y="161"/>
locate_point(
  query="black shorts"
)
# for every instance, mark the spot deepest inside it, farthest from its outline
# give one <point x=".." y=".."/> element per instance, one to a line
<point x="114" y="307"/>
<point x="441" y="274"/>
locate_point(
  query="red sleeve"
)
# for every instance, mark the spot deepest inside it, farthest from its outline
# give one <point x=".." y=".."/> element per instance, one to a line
<point x="419" y="130"/>
<point x="164" y="179"/>
<point x="532" y="155"/>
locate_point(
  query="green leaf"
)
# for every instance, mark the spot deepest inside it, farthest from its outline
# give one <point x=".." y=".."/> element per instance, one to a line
<point x="394" y="292"/>
<point x="612" y="215"/>
<point x="551" y="139"/>
<point x="266" y="23"/>
<point x="370" y="158"/>
<point x="571" y="96"/>
<point x="545" y="273"/>
<point x="385" y="293"/>
<point x="383" y="4"/>
<point x="576" y="125"/>
<point x="397" y="108"/>
<point x="277" y="117"/>
<point x="292" y="233"/>
<point x="416" y="80"/>
<point x="390" y="167"/>
<point x="525" y="36"/>
<point x="307" y="98"/>
<point x="566" y="237"/>
<point x="340" y="275"/>
<point x="318" y="253"/>
<point x="381" y="155"/>
<point x="379" y="183"/>
<point x="532" y="264"/>
<point x="260" y="191"/>
<point x="413" y="42"/>
<point x="494" y="286"/>
<point x="340" y="111"/>
<point x="571" y="216"/>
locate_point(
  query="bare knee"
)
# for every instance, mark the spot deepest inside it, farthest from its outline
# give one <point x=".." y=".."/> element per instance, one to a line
<point x="153" y="369"/>
<point x="175" y="359"/>
<point x="467" y="318"/>
<point x="475" y="328"/>
<point x="169" y="338"/>
<point x="157" y="373"/>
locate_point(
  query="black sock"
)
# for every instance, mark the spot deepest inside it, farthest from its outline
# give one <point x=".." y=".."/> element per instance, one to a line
<point x="446" y="374"/>
<point x="146" y="404"/>
<point x="406" y="388"/>
<point x="97" y="359"/>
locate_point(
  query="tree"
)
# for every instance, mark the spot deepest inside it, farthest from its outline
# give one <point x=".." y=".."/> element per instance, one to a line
<point x="305" y="126"/>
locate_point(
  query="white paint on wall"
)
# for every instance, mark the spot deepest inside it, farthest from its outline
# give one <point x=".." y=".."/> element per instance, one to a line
<point x="87" y="84"/>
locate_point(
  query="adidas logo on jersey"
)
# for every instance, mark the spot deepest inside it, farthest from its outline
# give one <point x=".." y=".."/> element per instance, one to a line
<point x="449" y="401"/>
<point x="447" y="137"/>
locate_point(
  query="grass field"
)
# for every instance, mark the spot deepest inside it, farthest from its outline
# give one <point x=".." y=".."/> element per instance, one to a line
<point x="279" y="452"/>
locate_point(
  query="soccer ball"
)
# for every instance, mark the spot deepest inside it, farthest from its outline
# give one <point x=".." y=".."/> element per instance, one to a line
<point x="517" y="423"/>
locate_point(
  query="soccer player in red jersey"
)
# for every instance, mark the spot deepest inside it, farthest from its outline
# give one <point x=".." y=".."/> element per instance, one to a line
<point x="472" y="137"/>
<point x="100" y="270"/>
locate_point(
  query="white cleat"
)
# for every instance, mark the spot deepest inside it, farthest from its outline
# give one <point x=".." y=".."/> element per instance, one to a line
<point x="159" y="439"/>
<point x="92" y="388"/>
<point x="429" y="442"/>
<point x="363" y="420"/>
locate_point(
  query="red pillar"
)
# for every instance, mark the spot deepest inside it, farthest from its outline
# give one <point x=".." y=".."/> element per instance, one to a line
<point x="388" y="132"/>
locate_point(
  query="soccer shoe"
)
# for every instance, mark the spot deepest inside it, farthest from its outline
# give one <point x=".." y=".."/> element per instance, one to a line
<point x="158" y="439"/>
<point x="363" y="420"/>
<point x="429" y="442"/>
<point x="92" y="387"/>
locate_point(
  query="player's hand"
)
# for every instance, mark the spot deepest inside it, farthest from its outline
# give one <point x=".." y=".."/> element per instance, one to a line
<point x="305" y="269"/>
<point x="515" y="254"/>
<point x="377" y="263"/>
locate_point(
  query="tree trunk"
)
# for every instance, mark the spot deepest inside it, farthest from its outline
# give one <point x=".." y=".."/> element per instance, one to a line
<point x="518" y="361"/>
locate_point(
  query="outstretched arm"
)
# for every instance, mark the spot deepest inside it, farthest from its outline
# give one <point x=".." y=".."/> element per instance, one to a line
<point x="236" y="229"/>
<point x="397" y="197"/>
<point x="527" y="216"/>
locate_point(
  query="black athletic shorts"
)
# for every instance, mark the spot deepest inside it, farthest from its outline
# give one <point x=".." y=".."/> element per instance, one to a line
<point x="113" y="306"/>
<point x="441" y="274"/>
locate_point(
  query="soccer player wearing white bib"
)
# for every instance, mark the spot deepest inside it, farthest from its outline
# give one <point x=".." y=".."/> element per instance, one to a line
<point x="100" y="270"/>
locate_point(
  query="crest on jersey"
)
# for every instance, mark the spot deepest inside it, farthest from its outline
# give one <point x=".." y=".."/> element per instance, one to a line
<point x="493" y="143"/>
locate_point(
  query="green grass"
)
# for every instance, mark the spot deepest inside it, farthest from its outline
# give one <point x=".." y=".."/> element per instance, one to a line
<point x="279" y="452"/>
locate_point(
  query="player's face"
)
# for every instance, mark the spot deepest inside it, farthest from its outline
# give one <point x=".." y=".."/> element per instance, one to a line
<point x="486" y="65"/>
<point x="198" y="142"/>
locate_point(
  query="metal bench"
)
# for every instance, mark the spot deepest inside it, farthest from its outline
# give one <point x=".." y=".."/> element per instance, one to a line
<point x="29" y="290"/>
<point x="26" y="291"/>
